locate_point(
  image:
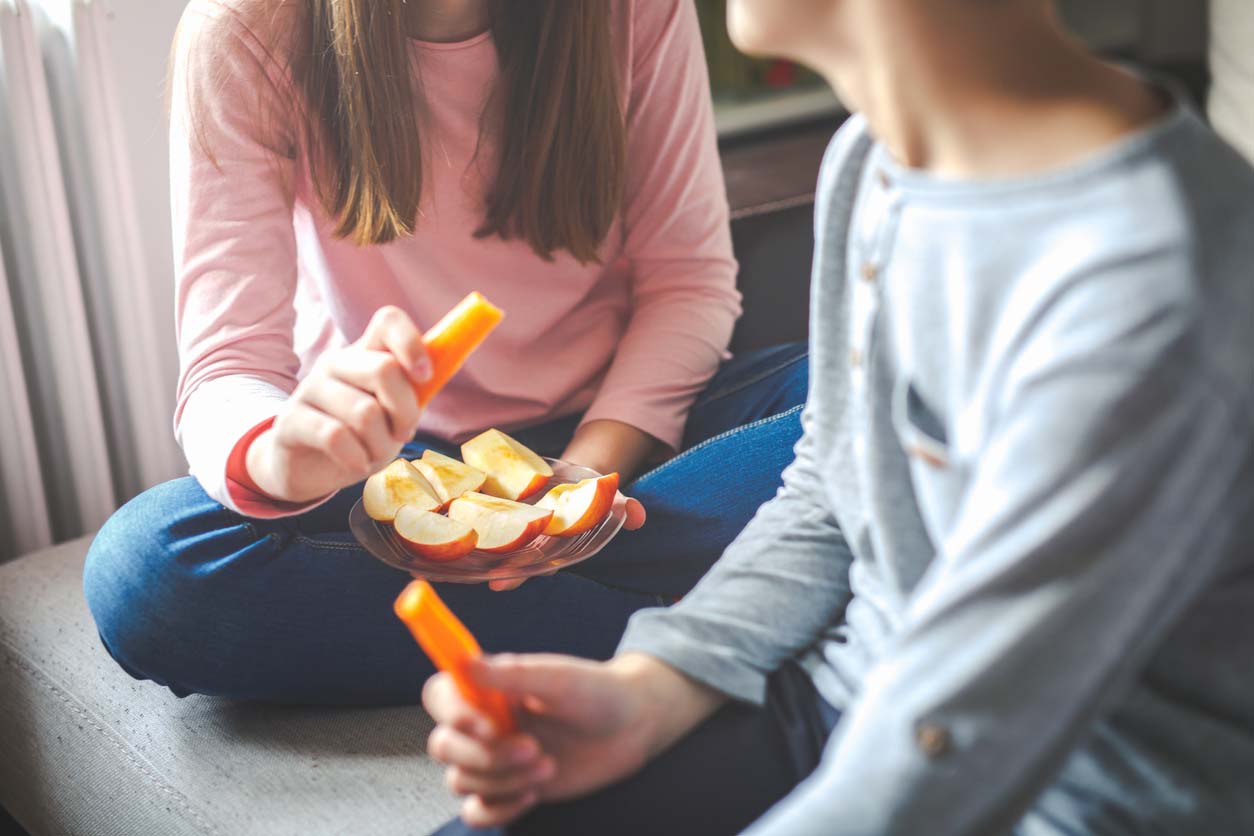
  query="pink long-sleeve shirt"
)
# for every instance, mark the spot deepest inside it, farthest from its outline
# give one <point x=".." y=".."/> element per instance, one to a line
<point x="264" y="286"/>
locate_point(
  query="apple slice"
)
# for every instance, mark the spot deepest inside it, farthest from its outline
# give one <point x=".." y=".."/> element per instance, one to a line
<point x="580" y="506"/>
<point x="514" y="472"/>
<point x="396" y="485"/>
<point x="432" y="535"/>
<point x="448" y="476"/>
<point x="503" y="525"/>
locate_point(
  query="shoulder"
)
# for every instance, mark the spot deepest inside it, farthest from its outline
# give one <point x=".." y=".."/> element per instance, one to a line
<point x="1213" y="187"/>
<point x="647" y="28"/>
<point x="232" y="29"/>
<point x="842" y="163"/>
<point x="1180" y="208"/>
<point x="1147" y="261"/>
<point x="231" y="71"/>
<point x="847" y="147"/>
<point x="1212" y="183"/>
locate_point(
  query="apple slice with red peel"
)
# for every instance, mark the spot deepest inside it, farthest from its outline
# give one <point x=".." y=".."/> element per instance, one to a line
<point x="579" y="506"/>
<point x="397" y="485"/>
<point x="448" y="476"/>
<point x="434" y="536"/>
<point x="503" y="525"/>
<point x="514" y="472"/>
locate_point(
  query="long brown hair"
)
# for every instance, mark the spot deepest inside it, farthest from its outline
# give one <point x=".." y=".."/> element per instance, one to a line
<point x="560" y="181"/>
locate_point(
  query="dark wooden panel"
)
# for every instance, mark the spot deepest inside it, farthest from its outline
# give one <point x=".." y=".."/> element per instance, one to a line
<point x="770" y="185"/>
<point x="775" y="171"/>
<point x="10" y="827"/>
<point x="775" y="250"/>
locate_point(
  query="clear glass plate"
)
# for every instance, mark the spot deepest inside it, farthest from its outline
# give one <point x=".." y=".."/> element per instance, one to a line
<point x="541" y="556"/>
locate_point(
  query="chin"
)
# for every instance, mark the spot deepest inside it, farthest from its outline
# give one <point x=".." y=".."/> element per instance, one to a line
<point x="749" y="32"/>
<point x="774" y="28"/>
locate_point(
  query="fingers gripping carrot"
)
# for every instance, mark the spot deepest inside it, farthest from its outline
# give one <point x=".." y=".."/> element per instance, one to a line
<point x="451" y="647"/>
<point x="451" y="340"/>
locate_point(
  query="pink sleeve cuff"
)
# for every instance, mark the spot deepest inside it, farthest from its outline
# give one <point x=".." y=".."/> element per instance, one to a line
<point x="239" y="483"/>
<point x="245" y="495"/>
<point x="216" y="426"/>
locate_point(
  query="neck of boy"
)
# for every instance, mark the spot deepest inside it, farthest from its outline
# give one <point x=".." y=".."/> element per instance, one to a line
<point x="446" y="21"/>
<point x="979" y="90"/>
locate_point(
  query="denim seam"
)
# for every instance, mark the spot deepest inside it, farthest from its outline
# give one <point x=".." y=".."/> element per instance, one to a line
<point x="692" y="450"/>
<point x="758" y="378"/>
<point x="180" y="800"/>
<point x="231" y="519"/>
<point x="327" y="544"/>
<point x="251" y="527"/>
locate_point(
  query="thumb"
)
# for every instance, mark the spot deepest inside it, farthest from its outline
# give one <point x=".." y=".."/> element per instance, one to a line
<point x="635" y="514"/>
<point x="392" y="330"/>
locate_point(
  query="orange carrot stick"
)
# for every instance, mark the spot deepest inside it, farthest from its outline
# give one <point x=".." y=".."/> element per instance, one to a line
<point x="451" y="340"/>
<point x="451" y="647"/>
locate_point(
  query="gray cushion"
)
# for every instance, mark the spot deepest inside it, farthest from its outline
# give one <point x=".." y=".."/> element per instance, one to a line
<point x="85" y="749"/>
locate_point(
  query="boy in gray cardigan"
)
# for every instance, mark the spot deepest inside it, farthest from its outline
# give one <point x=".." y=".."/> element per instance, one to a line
<point x="1008" y="584"/>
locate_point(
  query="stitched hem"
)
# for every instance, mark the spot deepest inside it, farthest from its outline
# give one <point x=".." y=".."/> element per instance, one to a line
<point x="735" y="430"/>
<point x="741" y="385"/>
<point x="16" y="658"/>
<point x="328" y="544"/>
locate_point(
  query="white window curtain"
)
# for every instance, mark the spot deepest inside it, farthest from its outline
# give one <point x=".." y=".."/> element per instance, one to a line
<point x="21" y="480"/>
<point x="86" y="355"/>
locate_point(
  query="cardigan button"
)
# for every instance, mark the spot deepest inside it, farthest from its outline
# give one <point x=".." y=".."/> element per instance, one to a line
<point x="933" y="740"/>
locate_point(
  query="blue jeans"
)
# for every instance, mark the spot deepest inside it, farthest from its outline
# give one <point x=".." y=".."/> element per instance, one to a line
<point x="197" y="598"/>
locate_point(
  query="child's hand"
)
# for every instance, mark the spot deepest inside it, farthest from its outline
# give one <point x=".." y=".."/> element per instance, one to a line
<point x="584" y="725"/>
<point x="635" y="512"/>
<point x="349" y="417"/>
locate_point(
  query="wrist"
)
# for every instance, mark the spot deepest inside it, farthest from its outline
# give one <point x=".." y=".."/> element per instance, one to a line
<point x="668" y="703"/>
<point x="584" y="452"/>
<point x="610" y="446"/>
<point x="256" y="464"/>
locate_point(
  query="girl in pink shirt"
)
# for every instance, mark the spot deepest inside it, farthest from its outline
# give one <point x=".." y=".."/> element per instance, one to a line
<point x="343" y="172"/>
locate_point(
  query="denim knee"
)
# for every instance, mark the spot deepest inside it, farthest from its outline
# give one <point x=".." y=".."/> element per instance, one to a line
<point x="140" y="585"/>
<point x="774" y="379"/>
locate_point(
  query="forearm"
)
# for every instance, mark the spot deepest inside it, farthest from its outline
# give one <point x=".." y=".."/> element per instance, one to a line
<point x="675" y="704"/>
<point x="609" y="446"/>
<point x="775" y="591"/>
